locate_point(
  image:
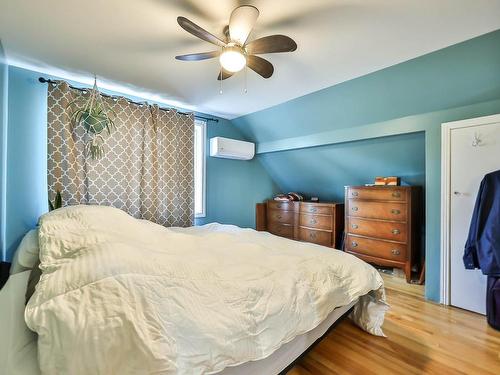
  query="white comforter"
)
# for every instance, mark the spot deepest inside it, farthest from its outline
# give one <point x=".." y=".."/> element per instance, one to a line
<point x="124" y="296"/>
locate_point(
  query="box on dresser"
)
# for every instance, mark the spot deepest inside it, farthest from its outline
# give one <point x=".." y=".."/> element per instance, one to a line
<point x="320" y="223"/>
<point x="382" y="225"/>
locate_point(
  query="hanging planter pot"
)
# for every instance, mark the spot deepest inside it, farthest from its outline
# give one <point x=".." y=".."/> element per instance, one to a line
<point x="95" y="116"/>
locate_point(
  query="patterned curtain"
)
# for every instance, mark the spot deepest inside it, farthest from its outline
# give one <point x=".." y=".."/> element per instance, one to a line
<point x="147" y="168"/>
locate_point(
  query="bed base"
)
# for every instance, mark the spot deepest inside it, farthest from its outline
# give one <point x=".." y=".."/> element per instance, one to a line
<point x="332" y="327"/>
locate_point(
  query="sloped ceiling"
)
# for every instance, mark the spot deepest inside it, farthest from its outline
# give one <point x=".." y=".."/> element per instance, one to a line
<point x="133" y="43"/>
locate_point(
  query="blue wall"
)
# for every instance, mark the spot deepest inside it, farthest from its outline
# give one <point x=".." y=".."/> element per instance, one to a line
<point x="321" y="171"/>
<point x="461" y="81"/>
<point x="233" y="187"/>
<point x="459" y="75"/>
<point x="3" y="147"/>
<point x="26" y="155"/>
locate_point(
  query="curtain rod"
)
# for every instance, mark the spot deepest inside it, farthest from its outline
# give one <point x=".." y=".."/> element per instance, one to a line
<point x="46" y="80"/>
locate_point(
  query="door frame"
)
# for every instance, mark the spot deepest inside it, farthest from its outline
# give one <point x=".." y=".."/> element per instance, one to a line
<point x="446" y="129"/>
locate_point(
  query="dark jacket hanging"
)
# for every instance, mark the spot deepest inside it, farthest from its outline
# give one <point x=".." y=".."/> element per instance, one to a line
<point x="482" y="249"/>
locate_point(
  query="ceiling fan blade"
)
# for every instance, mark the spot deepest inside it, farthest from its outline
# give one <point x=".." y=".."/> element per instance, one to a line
<point x="197" y="31"/>
<point x="198" y="56"/>
<point x="242" y="22"/>
<point x="260" y="66"/>
<point x="271" y="44"/>
<point x="224" y="74"/>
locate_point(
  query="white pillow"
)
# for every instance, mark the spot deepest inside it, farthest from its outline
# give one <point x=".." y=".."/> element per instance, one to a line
<point x="27" y="253"/>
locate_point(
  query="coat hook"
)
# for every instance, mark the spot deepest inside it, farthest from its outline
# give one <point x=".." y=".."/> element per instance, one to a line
<point x="477" y="141"/>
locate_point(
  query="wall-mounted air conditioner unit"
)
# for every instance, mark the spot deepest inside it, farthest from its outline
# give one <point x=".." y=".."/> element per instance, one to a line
<point x="231" y="148"/>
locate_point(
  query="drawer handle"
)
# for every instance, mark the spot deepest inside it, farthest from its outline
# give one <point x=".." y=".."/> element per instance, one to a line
<point x="354" y="208"/>
<point x="354" y="244"/>
<point x="313" y="209"/>
<point x="354" y="193"/>
<point x="396" y="231"/>
<point x="395" y="212"/>
<point x="278" y="217"/>
<point x="395" y="252"/>
<point x="354" y="226"/>
<point x="396" y="194"/>
<point x="279" y="205"/>
<point x="312" y="221"/>
<point x="312" y="236"/>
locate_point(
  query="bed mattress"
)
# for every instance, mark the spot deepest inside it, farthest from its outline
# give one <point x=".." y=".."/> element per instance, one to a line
<point x="18" y="351"/>
<point x="183" y="301"/>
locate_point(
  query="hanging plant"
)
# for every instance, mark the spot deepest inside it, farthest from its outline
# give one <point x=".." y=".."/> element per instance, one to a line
<point x="96" y="117"/>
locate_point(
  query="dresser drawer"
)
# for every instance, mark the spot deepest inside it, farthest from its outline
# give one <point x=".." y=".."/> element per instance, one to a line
<point x="278" y="216"/>
<point x="283" y="230"/>
<point x="315" y="221"/>
<point x="377" y="210"/>
<point x="316" y="236"/>
<point x="376" y="248"/>
<point x="374" y="193"/>
<point x="287" y="206"/>
<point x="380" y="229"/>
<point x="315" y="208"/>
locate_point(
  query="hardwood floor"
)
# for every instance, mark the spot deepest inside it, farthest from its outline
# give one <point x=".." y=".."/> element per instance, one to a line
<point x="422" y="338"/>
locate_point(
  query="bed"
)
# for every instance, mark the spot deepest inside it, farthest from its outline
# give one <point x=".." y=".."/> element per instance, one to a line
<point x="121" y="295"/>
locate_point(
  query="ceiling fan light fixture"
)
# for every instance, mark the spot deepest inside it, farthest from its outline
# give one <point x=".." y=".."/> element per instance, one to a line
<point x="232" y="59"/>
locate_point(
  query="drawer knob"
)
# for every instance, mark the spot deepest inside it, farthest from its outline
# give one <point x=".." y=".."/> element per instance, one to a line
<point x="396" y="194"/>
<point x="312" y="236"/>
<point x="395" y="231"/>
<point x="396" y="252"/>
<point x="395" y="212"/>
<point x="354" y="193"/>
<point x="279" y="205"/>
<point x="354" y="244"/>
<point x="278" y="217"/>
<point x="313" y="209"/>
<point x="354" y="208"/>
<point x="354" y="226"/>
<point x="312" y="221"/>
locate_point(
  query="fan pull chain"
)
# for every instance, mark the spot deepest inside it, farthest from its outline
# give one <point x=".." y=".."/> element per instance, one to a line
<point x="220" y="81"/>
<point x="245" y="89"/>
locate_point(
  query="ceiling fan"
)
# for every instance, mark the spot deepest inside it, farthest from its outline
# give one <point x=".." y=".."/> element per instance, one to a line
<point x="235" y="51"/>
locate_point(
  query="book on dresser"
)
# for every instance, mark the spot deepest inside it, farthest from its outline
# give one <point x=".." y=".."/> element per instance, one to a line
<point x="320" y="223"/>
<point x="383" y="225"/>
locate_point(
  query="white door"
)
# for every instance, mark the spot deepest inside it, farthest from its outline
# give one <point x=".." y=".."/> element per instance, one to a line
<point x="474" y="151"/>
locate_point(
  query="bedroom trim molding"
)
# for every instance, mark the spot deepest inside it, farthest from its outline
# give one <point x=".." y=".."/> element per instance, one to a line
<point x="446" y="129"/>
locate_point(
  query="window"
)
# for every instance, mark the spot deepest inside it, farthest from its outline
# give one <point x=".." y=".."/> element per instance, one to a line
<point x="199" y="167"/>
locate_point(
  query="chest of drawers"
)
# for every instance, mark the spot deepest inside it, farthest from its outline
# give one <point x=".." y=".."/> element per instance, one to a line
<point x="382" y="225"/>
<point x="320" y="223"/>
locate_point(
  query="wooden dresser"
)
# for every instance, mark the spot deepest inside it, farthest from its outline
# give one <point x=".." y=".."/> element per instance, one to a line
<point x="320" y="223"/>
<point x="382" y="225"/>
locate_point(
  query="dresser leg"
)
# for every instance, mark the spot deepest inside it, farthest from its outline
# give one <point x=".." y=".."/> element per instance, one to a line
<point x="408" y="272"/>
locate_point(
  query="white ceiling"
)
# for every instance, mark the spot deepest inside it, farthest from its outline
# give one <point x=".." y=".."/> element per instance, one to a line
<point x="132" y="43"/>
